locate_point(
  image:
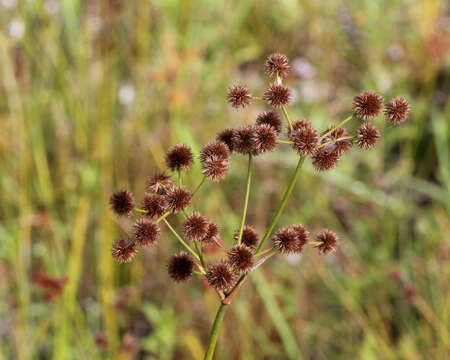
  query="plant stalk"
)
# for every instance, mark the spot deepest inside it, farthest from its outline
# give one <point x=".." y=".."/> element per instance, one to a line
<point x="188" y="248"/>
<point x="247" y="194"/>
<point x="215" y="332"/>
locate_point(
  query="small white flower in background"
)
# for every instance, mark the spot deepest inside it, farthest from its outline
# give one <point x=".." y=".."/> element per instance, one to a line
<point x="52" y="6"/>
<point x="16" y="28"/>
<point x="9" y="4"/>
<point x="303" y="68"/>
<point x="126" y="94"/>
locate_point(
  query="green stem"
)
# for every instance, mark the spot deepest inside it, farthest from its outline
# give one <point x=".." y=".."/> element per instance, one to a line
<point x="199" y="186"/>
<point x="247" y="194"/>
<point x="188" y="248"/>
<point x="282" y="205"/>
<point x="198" y="247"/>
<point x="140" y="210"/>
<point x="285" y="142"/>
<point x="286" y="115"/>
<point x="215" y="332"/>
<point x="342" y="123"/>
<point x="334" y="141"/>
<point x="162" y="217"/>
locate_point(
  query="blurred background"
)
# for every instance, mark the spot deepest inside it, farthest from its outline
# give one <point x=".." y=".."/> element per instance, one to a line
<point x="92" y="93"/>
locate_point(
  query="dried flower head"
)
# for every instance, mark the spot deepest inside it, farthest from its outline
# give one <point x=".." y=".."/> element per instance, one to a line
<point x="325" y="158"/>
<point x="239" y="96"/>
<point x="226" y="136"/>
<point x="244" y="140"/>
<point x="159" y="183"/>
<point x="368" y="104"/>
<point x="367" y="136"/>
<point x="328" y="241"/>
<point x="212" y="234"/>
<point x="266" y="139"/>
<point x="179" y="158"/>
<point x="122" y="202"/>
<point x="181" y="266"/>
<point x="338" y="136"/>
<point x="305" y="139"/>
<point x="298" y="124"/>
<point x="220" y="276"/>
<point x="178" y="199"/>
<point x="241" y="257"/>
<point x="216" y="149"/>
<point x="397" y="111"/>
<point x="195" y="226"/>
<point x="249" y="236"/>
<point x="215" y="169"/>
<point x="124" y="250"/>
<point x="154" y="204"/>
<point x="277" y="95"/>
<point x="291" y="240"/>
<point x="146" y="232"/>
<point x="277" y="64"/>
<point x="270" y="118"/>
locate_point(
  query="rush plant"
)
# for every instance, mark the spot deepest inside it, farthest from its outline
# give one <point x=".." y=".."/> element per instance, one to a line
<point x="165" y="195"/>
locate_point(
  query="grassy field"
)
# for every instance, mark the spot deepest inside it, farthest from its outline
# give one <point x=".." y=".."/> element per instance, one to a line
<point x="92" y="93"/>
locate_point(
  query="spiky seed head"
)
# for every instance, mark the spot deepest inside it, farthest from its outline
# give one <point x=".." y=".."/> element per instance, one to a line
<point x="341" y="145"/>
<point x="239" y="96"/>
<point x="226" y="136"/>
<point x="122" y="202"/>
<point x="244" y="140"/>
<point x="249" y="236"/>
<point x="154" y="204"/>
<point x="181" y="266"/>
<point x="328" y="241"/>
<point x="178" y="199"/>
<point x="277" y="95"/>
<point x="220" y="276"/>
<point x="179" y="158"/>
<point x="215" y="168"/>
<point x="146" y="232"/>
<point x="270" y="118"/>
<point x="216" y="149"/>
<point x="325" y="158"/>
<point x="299" y="124"/>
<point x="305" y="139"/>
<point x="195" y="226"/>
<point x="277" y="63"/>
<point x="159" y="183"/>
<point x="291" y="240"/>
<point x="124" y="250"/>
<point x="367" y="136"/>
<point x="266" y="139"/>
<point x="212" y="234"/>
<point x="397" y="111"/>
<point x="241" y="257"/>
<point x="368" y="104"/>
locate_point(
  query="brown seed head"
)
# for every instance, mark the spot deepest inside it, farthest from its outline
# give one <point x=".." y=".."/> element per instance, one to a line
<point x="270" y="118"/>
<point x="122" y="202"/>
<point x="178" y="199"/>
<point x="367" y="136"/>
<point x="215" y="169"/>
<point x="397" y="111"/>
<point x="195" y="226"/>
<point x="146" y="232"/>
<point x="239" y="96"/>
<point x="241" y="257"/>
<point x="277" y="95"/>
<point x="181" y="267"/>
<point x="244" y="140"/>
<point x="328" y="241"/>
<point x="277" y="63"/>
<point x="159" y="182"/>
<point x="341" y="146"/>
<point x="325" y="158"/>
<point x="368" y="104"/>
<point x="291" y="240"/>
<point x="220" y="276"/>
<point x="249" y="236"/>
<point x="226" y="136"/>
<point x="266" y="139"/>
<point x="305" y="139"/>
<point x="212" y="234"/>
<point x="179" y="158"/>
<point x="154" y="204"/>
<point x="124" y="250"/>
<point x="216" y="149"/>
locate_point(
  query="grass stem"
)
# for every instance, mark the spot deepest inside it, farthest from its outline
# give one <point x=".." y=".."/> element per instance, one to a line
<point x="247" y="194"/>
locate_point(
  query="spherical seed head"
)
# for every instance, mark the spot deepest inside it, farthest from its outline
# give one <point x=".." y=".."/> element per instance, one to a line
<point x="305" y="140"/>
<point x="154" y="204"/>
<point x="239" y="96"/>
<point x="212" y="234"/>
<point x="215" y="169"/>
<point x="195" y="226"/>
<point x="244" y="140"/>
<point x="122" y="202"/>
<point x="291" y="240"/>
<point x="216" y="149"/>
<point x="178" y="199"/>
<point x="220" y="276"/>
<point x="123" y="251"/>
<point x="325" y="158"/>
<point x="241" y="257"/>
<point x="181" y="267"/>
<point x="367" y="136"/>
<point x="266" y="139"/>
<point x="277" y="95"/>
<point x="179" y="158"/>
<point x="328" y="241"/>
<point x="159" y="183"/>
<point x="249" y="236"/>
<point x="341" y="146"/>
<point x="277" y="63"/>
<point x="226" y="136"/>
<point x="146" y="232"/>
<point x="397" y="111"/>
<point x="368" y="104"/>
<point x="270" y="118"/>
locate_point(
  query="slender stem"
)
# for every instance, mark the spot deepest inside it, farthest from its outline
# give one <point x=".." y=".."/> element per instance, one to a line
<point x="257" y="98"/>
<point x="199" y="186"/>
<point x="342" y="123"/>
<point x="198" y="247"/>
<point x="286" y="115"/>
<point x="215" y="332"/>
<point x="334" y="141"/>
<point x="188" y="248"/>
<point x="263" y="252"/>
<point x="162" y="217"/>
<point x="282" y="205"/>
<point x="285" y="142"/>
<point x="140" y="210"/>
<point x="247" y="194"/>
<point x="179" y="178"/>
